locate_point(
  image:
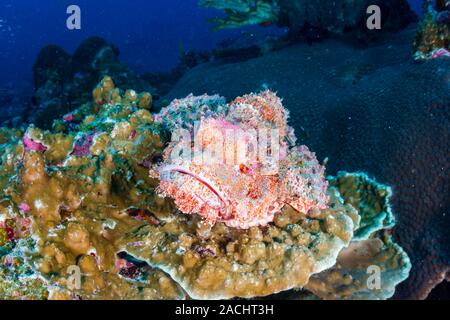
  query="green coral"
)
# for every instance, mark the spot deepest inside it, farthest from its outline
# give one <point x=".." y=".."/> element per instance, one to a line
<point x="370" y="198"/>
<point x="371" y="247"/>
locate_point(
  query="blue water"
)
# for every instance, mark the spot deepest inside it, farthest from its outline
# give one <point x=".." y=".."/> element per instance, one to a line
<point x="149" y="33"/>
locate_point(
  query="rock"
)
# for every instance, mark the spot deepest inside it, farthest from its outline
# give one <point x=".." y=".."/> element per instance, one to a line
<point x="63" y="82"/>
<point x="52" y="63"/>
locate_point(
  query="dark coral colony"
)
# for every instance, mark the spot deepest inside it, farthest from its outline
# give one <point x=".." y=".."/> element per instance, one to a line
<point x="90" y="183"/>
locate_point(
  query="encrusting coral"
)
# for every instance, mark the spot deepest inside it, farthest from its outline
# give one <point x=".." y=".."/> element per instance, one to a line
<point x="371" y="199"/>
<point x="350" y="278"/>
<point x="78" y="190"/>
<point x="81" y="195"/>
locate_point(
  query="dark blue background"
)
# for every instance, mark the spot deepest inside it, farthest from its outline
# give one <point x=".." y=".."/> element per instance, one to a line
<point x="148" y="32"/>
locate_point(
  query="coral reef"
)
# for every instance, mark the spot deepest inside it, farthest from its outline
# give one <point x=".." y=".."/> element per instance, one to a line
<point x="86" y="195"/>
<point x="68" y="194"/>
<point x="213" y="255"/>
<point x="433" y="35"/>
<point x="362" y="109"/>
<point x="371" y="246"/>
<point x="63" y="81"/>
<point x="304" y="17"/>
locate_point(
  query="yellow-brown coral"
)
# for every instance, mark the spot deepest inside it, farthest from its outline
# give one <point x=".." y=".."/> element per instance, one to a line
<point x="433" y="35"/>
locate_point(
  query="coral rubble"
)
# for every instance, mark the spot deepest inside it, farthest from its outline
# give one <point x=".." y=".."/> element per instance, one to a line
<point x="86" y="196"/>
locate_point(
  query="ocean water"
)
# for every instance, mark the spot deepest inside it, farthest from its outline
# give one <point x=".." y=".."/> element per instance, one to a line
<point x="148" y="33"/>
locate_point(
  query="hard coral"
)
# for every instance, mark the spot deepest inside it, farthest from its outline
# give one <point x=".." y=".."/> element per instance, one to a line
<point x="351" y="279"/>
<point x="75" y="189"/>
<point x="233" y="255"/>
<point x="214" y="261"/>
<point x="433" y="35"/>
<point x="218" y="262"/>
<point x="356" y="127"/>
<point x="371" y="250"/>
